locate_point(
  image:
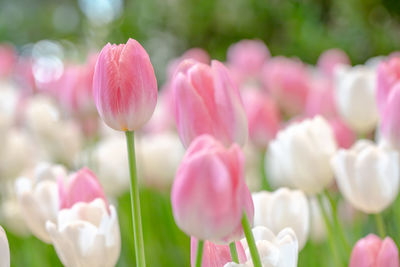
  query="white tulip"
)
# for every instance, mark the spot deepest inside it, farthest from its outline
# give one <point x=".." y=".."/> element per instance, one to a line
<point x="4" y="249"/>
<point x="274" y="251"/>
<point x="355" y="97"/>
<point x="38" y="198"/>
<point x="367" y="175"/>
<point x="110" y="163"/>
<point x="281" y="209"/>
<point x="86" y="235"/>
<point x="299" y="157"/>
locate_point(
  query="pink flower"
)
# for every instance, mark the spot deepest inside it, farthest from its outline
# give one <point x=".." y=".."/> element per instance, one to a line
<point x="209" y="194"/>
<point x="196" y="54"/>
<point x="344" y="135"/>
<point x="388" y="75"/>
<point x="124" y="86"/>
<point x="289" y="83"/>
<point x="8" y="59"/>
<point x="371" y="251"/>
<point x="390" y="125"/>
<point x="82" y="186"/>
<point x="330" y="59"/>
<point x="263" y="117"/>
<point x="321" y="100"/>
<point x="208" y="102"/>
<point x="215" y="255"/>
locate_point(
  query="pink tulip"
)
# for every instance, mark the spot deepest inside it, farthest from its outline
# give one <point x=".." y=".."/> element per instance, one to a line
<point x="215" y="255"/>
<point x="390" y="125"/>
<point x="344" y="135"/>
<point x="81" y="186"/>
<point x="208" y="102"/>
<point x="330" y="59"/>
<point x="321" y="100"/>
<point x="196" y="54"/>
<point x="371" y="251"/>
<point x="209" y="194"/>
<point x="263" y="117"/>
<point x="8" y="59"/>
<point x="124" y="86"/>
<point x="387" y="76"/>
<point x="289" y="83"/>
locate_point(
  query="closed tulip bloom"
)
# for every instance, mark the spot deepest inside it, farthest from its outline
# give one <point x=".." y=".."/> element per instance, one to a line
<point x="209" y="194"/>
<point x="321" y="99"/>
<point x="124" y="86"/>
<point x="38" y="198"/>
<point x="263" y="117"/>
<point x="208" y="102"/>
<point x="81" y="186"/>
<point x="371" y="251"/>
<point x="388" y="74"/>
<point x="299" y="157"/>
<point x="330" y="59"/>
<point x="390" y="120"/>
<point x="367" y="176"/>
<point x="8" y="60"/>
<point x="279" y="250"/>
<point x="215" y="255"/>
<point x="283" y="208"/>
<point x="4" y="249"/>
<point x="345" y="137"/>
<point x="87" y="234"/>
<point x="355" y="97"/>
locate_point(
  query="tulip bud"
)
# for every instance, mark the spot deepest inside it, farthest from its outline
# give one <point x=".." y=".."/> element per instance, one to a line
<point x="321" y="100"/>
<point x="367" y="176"/>
<point x="124" y="86"/>
<point x="388" y="75"/>
<point x="215" y="255"/>
<point x="96" y="225"/>
<point x="345" y="137"/>
<point x="208" y="102"/>
<point x="209" y="194"/>
<point x="81" y="186"/>
<point x="4" y="249"/>
<point x="8" y="60"/>
<point x="283" y="208"/>
<point x="330" y="59"/>
<point x="372" y="251"/>
<point x="390" y="125"/>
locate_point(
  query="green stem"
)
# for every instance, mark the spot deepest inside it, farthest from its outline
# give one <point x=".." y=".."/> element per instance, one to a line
<point x="135" y="202"/>
<point x="264" y="181"/>
<point x="234" y="254"/>
<point x="380" y="225"/>
<point x="250" y="241"/>
<point x="199" y="253"/>
<point x="337" y="223"/>
<point x="330" y="231"/>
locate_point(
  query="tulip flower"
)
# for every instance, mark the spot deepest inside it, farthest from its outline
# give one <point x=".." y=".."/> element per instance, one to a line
<point x="38" y="198"/>
<point x="263" y="117"/>
<point x="279" y="250"/>
<point x="318" y="229"/>
<point x="355" y="97"/>
<point x="330" y="59"/>
<point x="283" y="208"/>
<point x="196" y="54"/>
<point x="215" y="255"/>
<point x="390" y="125"/>
<point x="209" y="194"/>
<point x="367" y="176"/>
<point x="124" y="86"/>
<point x="208" y="102"/>
<point x="345" y="137"/>
<point x="321" y="100"/>
<point x="371" y="251"/>
<point x="8" y="60"/>
<point x="299" y="157"/>
<point x="388" y="75"/>
<point x="289" y="83"/>
<point x="93" y="222"/>
<point x="4" y="249"/>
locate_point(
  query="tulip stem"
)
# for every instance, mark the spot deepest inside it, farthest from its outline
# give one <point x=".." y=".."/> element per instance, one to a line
<point x="380" y="225"/>
<point x="199" y="253"/>
<point x="234" y="254"/>
<point x="135" y="201"/>
<point x="264" y="181"/>
<point x="250" y="241"/>
<point x="329" y="230"/>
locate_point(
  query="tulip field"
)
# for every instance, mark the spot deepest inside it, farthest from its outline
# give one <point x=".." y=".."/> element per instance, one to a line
<point x="168" y="133"/>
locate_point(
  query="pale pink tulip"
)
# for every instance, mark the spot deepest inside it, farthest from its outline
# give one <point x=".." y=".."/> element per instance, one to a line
<point x="344" y="135"/>
<point x="196" y="54"/>
<point x="208" y="102"/>
<point x="263" y="117"/>
<point x="390" y="124"/>
<point x="371" y="251"/>
<point x="321" y="100"/>
<point x="82" y="186"/>
<point x="289" y="83"/>
<point x="388" y="75"/>
<point x="215" y="255"/>
<point x="330" y="59"/>
<point x="209" y="194"/>
<point x="8" y="59"/>
<point x="124" y="86"/>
